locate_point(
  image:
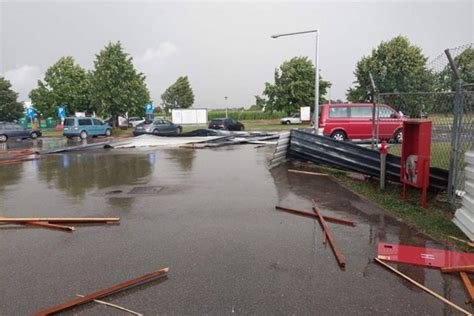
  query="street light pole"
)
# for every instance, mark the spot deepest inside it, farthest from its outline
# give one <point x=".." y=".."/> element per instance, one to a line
<point x="316" y="86"/>
<point x="316" y="74"/>
<point x="225" y="98"/>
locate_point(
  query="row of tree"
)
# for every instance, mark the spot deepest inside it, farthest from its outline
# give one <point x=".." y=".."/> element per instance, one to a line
<point x="114" y="87"/>
<point x="396" y="66"/>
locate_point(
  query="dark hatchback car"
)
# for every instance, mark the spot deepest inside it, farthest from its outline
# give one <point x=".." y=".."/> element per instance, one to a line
<point x="157" y="127"/>
<point x="226" y="123"/>
<point x="15" y="131"/>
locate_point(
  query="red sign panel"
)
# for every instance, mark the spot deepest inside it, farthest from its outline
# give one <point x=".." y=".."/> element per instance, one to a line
<point x="427" y="257"/>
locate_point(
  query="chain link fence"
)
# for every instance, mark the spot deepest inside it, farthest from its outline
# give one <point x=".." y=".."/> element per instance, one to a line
<point x="448" y="103"/>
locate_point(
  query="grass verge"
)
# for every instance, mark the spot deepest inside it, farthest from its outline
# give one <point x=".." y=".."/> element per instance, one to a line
<point x="435" y="220"/>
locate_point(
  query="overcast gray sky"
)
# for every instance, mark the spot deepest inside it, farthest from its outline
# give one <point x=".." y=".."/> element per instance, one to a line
<point x="223" y="47"/>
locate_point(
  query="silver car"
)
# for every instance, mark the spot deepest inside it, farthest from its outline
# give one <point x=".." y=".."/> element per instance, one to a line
<point x="15" y="131"/>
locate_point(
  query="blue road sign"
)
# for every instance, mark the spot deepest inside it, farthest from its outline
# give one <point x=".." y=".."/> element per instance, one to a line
<point x="149" y="108"/>
<point x="61" y="112"/>
<point x="30" y="112"/>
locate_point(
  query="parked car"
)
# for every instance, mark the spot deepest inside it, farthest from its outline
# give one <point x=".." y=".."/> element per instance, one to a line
<point x="84" y="127"/>
<point x="226" y="123"/>
<point x="354" y="121"/>
<point x="157" y="127"/>
<point x="294" y="119"/>
<point x="135" y="120"/>
<point x="122" y="121"/>
<point x="16" y="131"/>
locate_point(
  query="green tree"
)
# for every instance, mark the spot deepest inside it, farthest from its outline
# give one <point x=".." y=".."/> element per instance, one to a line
<point x="294" y="86"/>
<point x="397" y="66"/>
<point x="259" y="104"/>
<point x="65" y="83"/>
<point x="465" y="64"/>
<point x="116" y="87"/>
<point x="179" y="95"/>
<point x="10" y="108"/>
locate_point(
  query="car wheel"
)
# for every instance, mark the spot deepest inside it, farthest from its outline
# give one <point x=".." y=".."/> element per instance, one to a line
<point x="34" y="135"/>
<point x="288" y="122"/>
<point x="399" y="136"/>
<point x="179" y="130"/>
<point x="108" y="132"/>
<point x="83" y="135"/>
<point x="339" y="136"/>
<point x="242" y="128"/>
<point x="3" y="138"/>
<point x="155" y="131"/>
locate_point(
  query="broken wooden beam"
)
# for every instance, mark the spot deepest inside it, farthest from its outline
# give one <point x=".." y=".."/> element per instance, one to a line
<point x="468" y="269"/>
<point x="10" y="161"/>
<point x="308" y="172"/>
<point x="335" y="249"/>
<point x="468" y="285"/>
<point x="102" y="293"/>
<point x="45" y="225"/>
<point x="470" y="244"/>
<point x="18" y="152"/>
<point x="422" y="287"/>
<point x="60" y="219"/>
<point x="311" y="215"/>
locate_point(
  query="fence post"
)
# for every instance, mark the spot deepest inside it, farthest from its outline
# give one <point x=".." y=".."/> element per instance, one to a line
<point x="374" y="102"/>
<point x="455" y="132"/>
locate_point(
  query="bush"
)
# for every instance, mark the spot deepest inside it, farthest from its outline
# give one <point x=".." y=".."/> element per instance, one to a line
<point x="246" y="115"/>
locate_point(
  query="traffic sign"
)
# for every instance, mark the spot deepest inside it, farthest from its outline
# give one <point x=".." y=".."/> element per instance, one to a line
<point x="149" y="108"/>
<point x="30" y="112"/>
<point x="61" y="112"/>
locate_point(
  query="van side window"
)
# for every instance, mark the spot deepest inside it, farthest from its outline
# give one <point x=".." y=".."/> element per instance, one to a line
<point x="85" y="122"/>
<point x="338" y="111"/>
<point x="97" y="122"/>
<point x="386" y="112"/>
<point x="361" y="111"/>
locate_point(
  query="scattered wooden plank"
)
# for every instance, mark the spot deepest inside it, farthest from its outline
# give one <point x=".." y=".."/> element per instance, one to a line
<point x="311" y="215"/>
<point x="60" y="219"/>
<point x="468" y="269"/>
<point x="468" y="285"/>
<point x="335" y="249"/>
<point x="308" y="172"/>
<point x="471" y="244"/>
<point x="17" y="160"/>
<point x="423" y="287"/>
<point x="18" y="152"/>
<point x="45" y="225"/>
<point x="102" y="293"/>
<point x="114" y="306"/>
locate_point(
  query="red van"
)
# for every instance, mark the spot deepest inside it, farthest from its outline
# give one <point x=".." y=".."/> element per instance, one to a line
<point x="354" y="121"/>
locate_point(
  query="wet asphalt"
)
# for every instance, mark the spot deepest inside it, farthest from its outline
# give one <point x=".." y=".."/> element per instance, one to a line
<point x="209" y="215"/>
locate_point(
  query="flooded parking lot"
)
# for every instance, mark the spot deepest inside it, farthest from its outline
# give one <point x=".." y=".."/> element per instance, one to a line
<point x="209" y="215"/>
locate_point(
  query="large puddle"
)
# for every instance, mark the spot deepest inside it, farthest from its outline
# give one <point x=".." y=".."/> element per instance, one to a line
<point x="209" y="215"/>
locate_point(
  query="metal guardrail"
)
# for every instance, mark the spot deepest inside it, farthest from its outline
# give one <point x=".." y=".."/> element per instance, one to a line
<point x="306" y="146"/>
